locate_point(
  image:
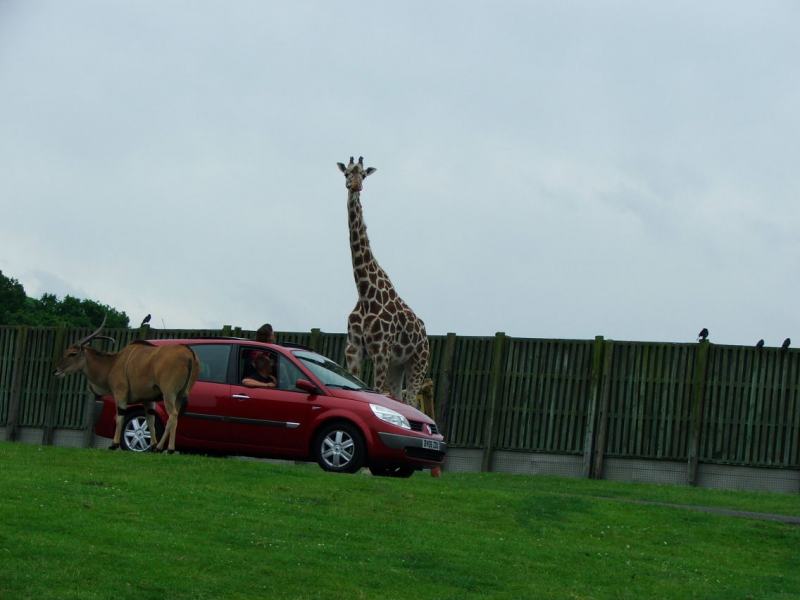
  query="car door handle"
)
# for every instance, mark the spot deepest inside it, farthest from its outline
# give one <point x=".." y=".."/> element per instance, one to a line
<point x="241" y="396"/>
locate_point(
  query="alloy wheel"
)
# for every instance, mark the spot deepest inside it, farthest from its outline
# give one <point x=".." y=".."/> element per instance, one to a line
<point x="337" y="449"/>
<point x="137" y="434"/>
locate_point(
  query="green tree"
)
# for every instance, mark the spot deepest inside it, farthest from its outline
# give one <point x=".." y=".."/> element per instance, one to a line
<point x="12" y="297"/>
<point x="18" y="309"/>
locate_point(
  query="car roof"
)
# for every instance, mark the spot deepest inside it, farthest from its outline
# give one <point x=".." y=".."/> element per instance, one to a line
<point x="213" y="340"/>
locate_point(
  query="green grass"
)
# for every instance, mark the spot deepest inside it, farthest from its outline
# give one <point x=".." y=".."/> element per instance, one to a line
<point x="97" y="524"/>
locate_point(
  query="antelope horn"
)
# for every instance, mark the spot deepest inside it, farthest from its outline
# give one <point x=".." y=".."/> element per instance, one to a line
<point x="105" y="337"/>
<point x="89" y="337"/>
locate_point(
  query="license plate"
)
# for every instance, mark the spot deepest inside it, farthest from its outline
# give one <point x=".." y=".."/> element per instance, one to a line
<point x="430" y="444"/>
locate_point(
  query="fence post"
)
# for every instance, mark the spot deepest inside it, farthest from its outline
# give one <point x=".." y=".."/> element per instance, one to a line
<point x="52" y="390"/>
<point x="144" y="332"/>
<point x="88" y="419"/>
<point x="226" y="331"/>
<point x="602" y="419"/>
<point x="237" y="331"/>
<point x="313" y="342"/>
<point x="442" y="397"/>
<point x="698" y="400"/>
<point x="16" y="384"/>
<point x="594" y="398"/>
<point x="494" y="391"/>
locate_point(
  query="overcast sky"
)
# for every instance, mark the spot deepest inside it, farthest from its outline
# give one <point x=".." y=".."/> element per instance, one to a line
<point x="548" y="169"/>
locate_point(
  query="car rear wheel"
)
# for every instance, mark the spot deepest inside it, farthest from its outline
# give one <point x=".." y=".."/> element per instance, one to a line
<point x="340" y="448"/>
<point x="136" y="435"/>
<point x="389" y="471"/>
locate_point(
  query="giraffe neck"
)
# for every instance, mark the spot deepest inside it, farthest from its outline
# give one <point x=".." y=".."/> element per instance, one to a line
<point x="366" y="271"/>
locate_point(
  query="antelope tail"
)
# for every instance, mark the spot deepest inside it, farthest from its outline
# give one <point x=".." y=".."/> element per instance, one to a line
<point x="184" y="393"/>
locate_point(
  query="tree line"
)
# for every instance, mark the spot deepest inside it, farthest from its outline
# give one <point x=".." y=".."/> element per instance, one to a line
<point x="17" y="308"/>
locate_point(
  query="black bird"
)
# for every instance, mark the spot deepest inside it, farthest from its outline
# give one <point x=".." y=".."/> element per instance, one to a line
<point x="703" y="334"/>
<point x="760" y="344"/>
<point x="786" y="343"/>
<point x="145" y="321"/>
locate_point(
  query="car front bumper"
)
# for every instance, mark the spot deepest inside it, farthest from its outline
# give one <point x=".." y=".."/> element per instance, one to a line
<point x="415" y="448"/>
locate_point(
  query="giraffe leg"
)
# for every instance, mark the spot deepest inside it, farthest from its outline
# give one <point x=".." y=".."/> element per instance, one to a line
<point x="394" y="381"/>
<point x="415" y="375"/>
<point x="354" y="356"/>
<point x="380" y="363"/>
<point x="425" y="397"/>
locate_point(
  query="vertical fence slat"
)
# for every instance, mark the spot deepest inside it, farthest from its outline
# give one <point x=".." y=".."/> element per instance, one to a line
<point x="495" y="383"/>
<point x="791" y="402"/>
<point x="594" y="399"/>
<point x="698" y="389"/>
<point x="8" y="343"/>
<point x="12" y="422"/>
<point x="603" y="415"/>
<point x="52" y="395"/>
<point x="746" y="381"/>
<point x="445" y="383"/>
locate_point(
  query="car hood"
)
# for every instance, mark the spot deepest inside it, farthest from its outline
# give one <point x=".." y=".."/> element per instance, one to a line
<point x="409" y="412"/>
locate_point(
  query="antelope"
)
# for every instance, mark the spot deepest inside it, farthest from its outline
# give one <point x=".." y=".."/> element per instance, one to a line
<point x="139" y="373"/>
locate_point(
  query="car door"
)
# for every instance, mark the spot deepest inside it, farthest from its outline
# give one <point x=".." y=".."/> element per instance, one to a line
<point x="210" y="395"/>
<point x="274" y="420"/>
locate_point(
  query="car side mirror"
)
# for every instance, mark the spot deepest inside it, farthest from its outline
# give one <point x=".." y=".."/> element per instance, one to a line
<point x="307" y="386"/>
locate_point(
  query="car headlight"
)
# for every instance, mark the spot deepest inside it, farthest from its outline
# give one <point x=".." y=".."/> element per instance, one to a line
<point x="390" y="416"/>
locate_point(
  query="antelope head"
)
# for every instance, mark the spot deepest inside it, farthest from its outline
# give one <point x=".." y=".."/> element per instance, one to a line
<point x="74" y="357"/>
<point x="355" y="173"/>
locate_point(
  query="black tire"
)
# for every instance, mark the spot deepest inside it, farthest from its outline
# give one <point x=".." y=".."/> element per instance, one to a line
<point x="339" y="447"/>
<point x="388" y="471"/>
<point x="136" y="434"/>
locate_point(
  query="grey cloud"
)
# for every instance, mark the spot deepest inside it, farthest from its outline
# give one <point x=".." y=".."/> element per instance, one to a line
<point x="544" y="169"/>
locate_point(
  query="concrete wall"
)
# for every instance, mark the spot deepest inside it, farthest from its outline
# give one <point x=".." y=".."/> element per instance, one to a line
<point x="630" y="470"/>
<point x="747" y="478"/>
<point x="67" y="438"/>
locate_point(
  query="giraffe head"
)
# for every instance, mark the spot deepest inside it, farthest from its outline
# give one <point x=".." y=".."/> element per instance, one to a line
<point x="355" y="173"/>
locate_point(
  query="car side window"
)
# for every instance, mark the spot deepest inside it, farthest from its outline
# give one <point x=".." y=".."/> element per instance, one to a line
<point x="213" y="361"/>
<point x="288" y="374"/>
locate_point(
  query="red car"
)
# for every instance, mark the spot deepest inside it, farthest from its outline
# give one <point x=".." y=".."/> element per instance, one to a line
<point x="315" y="411"/>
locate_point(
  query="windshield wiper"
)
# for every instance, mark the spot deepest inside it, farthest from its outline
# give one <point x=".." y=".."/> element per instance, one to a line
<point x="344" y="387"/>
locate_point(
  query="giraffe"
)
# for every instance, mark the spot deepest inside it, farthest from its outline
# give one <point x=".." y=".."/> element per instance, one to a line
<point x="381" y="326"/>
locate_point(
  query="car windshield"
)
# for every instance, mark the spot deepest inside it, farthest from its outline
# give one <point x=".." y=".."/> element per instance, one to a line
<point x="328" y="372"/>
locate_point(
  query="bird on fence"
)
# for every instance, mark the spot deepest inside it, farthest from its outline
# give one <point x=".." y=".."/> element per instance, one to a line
<point x="703" y="335"/>
<point x="145" y="321"/>
<point x="786" y="344"/>
<point x="760" y="344"/>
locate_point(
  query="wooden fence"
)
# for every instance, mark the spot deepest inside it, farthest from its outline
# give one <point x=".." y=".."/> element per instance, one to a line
<point x="596" y="398"/>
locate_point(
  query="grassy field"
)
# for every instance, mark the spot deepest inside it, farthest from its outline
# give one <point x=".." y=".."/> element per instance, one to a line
<point x="97" y="524"/>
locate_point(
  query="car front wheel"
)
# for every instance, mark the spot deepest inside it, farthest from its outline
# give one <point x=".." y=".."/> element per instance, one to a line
<point x="340" y="448"/>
